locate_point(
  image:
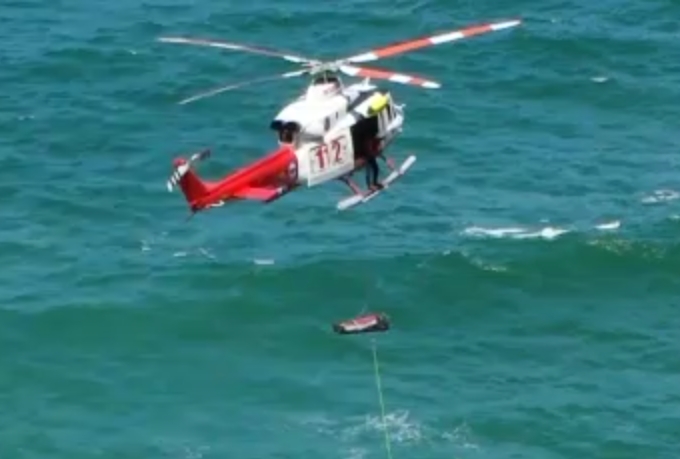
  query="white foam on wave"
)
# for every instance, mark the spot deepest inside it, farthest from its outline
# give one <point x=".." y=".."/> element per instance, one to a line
<point x="544" y="233"/>
<point x="462" y="436"/>
<point x="492" y="232"/>
<point x="487" y="266"/>
<point x="263" y="261"/>
<point x="402" y="428"/>
<point x="660" y="196"/>
<point x="548" y="232"/>
<point x="146" y="244"/>
<point x="203" y="252"/>
<point x="616" y="224"/>
<point x="207" y="253"/>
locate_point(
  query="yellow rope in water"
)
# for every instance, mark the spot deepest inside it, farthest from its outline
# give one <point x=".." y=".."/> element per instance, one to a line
<point x="380" y="398"/>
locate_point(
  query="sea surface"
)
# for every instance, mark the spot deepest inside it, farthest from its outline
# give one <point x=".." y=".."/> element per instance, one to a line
<point x="529" y="261"/>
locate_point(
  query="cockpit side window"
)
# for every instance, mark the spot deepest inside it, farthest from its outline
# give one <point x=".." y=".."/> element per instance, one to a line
<point x="286" y="135"/>
<point x="287" y="132"/>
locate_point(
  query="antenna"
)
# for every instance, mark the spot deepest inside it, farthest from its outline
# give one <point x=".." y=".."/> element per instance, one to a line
<point x="380" y="399"/>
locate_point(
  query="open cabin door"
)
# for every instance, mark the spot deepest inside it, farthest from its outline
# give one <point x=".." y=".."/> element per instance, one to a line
<point x="386" y="116"/>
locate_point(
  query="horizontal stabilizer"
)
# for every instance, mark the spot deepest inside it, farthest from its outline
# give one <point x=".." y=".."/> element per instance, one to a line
<point x="257" y="194"/>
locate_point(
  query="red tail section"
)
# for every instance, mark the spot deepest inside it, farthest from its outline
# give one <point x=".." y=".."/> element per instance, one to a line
<point x="190" y="183"/>
<point x="264" y="180"/>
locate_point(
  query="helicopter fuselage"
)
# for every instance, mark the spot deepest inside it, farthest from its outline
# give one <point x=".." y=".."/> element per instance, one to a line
<point x="331" y="127"/>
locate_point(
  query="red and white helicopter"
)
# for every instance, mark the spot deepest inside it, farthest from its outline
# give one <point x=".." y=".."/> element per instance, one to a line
<point x="327" y="133"/>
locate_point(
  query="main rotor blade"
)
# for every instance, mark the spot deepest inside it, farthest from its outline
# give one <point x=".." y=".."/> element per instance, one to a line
<point x="221" y="89"/>
<point x="236" y="47"/>
<point x="418" y="43"/>
<point x="380" y="74"/>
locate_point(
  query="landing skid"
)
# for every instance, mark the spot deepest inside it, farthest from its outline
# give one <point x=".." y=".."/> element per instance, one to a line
<point x="361" y="197"/>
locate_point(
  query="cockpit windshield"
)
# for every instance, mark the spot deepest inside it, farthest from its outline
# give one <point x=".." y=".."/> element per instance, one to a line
<point x="326" y="78"/>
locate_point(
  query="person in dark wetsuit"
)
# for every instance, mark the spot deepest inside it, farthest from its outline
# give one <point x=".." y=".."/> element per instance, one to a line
<point x="372" y="168"/>
<point x="372" y="173"/>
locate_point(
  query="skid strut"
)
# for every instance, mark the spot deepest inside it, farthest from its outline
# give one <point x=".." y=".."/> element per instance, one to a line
<point x="356" y="189"/>
<point x="352" y="186"/>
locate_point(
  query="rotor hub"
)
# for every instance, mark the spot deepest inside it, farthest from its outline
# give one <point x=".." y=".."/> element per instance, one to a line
<point x="323" y="67"/>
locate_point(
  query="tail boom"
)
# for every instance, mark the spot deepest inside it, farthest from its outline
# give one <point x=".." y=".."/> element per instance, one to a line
<point x="265" y="180"/>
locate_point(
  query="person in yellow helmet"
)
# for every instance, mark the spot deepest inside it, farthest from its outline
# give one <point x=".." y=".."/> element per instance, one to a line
<point x="374" y="146"/>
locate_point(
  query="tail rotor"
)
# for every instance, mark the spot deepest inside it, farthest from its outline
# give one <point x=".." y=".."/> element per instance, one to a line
<point x="182" y="166"/>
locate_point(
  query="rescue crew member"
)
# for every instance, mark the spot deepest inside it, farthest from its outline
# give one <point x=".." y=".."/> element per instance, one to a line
<point x="372" y="168"/>
<point x="373" y="147"/>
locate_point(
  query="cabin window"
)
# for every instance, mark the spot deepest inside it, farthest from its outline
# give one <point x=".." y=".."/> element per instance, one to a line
<point x="305" y="137"/>
<point x="287" y="132"/>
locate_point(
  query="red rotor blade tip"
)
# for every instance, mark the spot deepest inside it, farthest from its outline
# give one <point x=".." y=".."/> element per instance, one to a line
<point x="418" y="43"/>
<point x="380" y="74"/>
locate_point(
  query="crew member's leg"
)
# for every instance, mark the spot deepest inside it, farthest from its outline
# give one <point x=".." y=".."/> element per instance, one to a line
<point x="372" y="173"/>
<point x="374" y="152"/>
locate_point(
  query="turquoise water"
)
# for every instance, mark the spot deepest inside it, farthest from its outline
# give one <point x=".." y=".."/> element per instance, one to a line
<point x="528" y="261"/>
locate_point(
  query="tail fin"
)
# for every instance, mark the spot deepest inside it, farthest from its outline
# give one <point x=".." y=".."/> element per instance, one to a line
<point x="189" y="182"/>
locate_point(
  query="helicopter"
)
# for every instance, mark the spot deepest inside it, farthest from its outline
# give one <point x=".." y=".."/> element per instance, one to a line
<point x="327" y="133"/>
